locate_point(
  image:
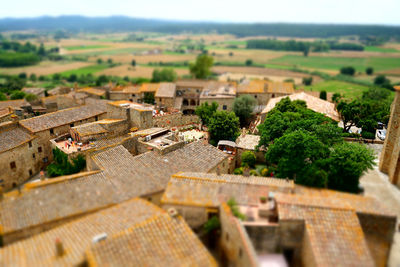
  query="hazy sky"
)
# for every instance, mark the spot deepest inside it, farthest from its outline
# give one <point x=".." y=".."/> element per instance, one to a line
<point x="325" y="11"/>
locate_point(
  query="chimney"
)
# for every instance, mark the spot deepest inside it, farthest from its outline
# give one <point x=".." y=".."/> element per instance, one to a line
<point x="59" y="248"/>
<point x="172" y="212"/>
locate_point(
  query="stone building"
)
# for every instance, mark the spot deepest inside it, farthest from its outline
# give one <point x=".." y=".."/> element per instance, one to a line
<point x="93" y="92"/>
<point x="113" y="176"/>
<point x="188" y="95"/>
<point x="303" y="226"/>
<point x="222" y="93"/>
<point x="79" y="242"/>
<point x="248" y="142"/>
<point x="51" y="125"/>
<point x="390" y="157"/>
<point x="165" y="96"/>
<point x="19" y="155"/>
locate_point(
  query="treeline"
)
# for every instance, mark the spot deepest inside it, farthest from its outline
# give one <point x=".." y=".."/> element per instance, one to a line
<point x="124" y="24"/>
<point x="293" y="45"/>
<point x="15" y="54"/>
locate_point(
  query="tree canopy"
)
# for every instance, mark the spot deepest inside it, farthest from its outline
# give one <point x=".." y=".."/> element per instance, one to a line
<point x="223" y="126"/>
<point x="164" y="75"/>
<point x="206" y="111"/>
<point x="202" y="68"/>
<point x="243" y="107"/>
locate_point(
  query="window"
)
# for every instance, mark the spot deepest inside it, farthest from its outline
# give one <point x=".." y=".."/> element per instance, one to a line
<point x="51" y="131"/>
<point x="227" y="236"/>
<point x="133" y="95"/>
<point x="45" y="160"/>
<point x="255" y="96"/>
<point x="71" y="125"/>
<point x="13" y="165"/>
<point x="14" y="185"/>
<point x="39" y="149"/>
<point x="30" y="143"/>
<point x="96" y="118"/>
<point x="30" y="172"/>
<point x="224" y="107"/>
<point x="33" y="155"/>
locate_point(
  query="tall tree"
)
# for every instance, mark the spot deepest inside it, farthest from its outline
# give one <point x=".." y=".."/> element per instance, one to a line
<point x="206" y="111"/>
<point x="223" y="126"/>
<point x="202" y="68"/>
<point x="243" y="108"/>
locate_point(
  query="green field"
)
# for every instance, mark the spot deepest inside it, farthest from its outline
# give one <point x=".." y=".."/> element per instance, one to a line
<point x="84" y="47"/>
<point x="335" y="63"/>
<point x="86" y="70"/>
<point x="349" y="90"/>
<point x="380" y="49"/>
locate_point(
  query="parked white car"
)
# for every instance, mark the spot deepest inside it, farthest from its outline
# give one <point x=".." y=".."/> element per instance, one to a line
<point x="381" y="134"/>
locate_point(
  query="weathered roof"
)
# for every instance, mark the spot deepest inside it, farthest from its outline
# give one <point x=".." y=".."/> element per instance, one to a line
<point x="313" y="103"/>
<point x="50" y="99"/>
<point x="62" y="117"/>
<point x="13" y="137"/>
<point x="332" y="230"/>
<point x="77" y="236"/>
<point x="92" y="91"/>
<point x="191" y="83"/>
<point x="216" y="89"/>
<point x="150" y="172"/>
<point x="210" y="190"/>
<point x="226" y="143"/>
<point x="35" y="91"/>
<point x="149" y="87"/>
<point x="158" y="241"/>
<point x="79" y="195"/>
<point x="166" y="90"/>
<point x="253" y="86"/>
<point x="15" y="104"/>
<point x="280" y="88"/>
<point x="247" y="141"/>
<point x="91" y="128"/>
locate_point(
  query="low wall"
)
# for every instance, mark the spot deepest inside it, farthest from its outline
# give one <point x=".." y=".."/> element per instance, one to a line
<point x="174" y="120"/>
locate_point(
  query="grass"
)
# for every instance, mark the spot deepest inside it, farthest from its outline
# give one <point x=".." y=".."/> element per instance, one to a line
<point x="349" y="90"/>
<point x="335" y="63"/>
<point x="84" y="47"/>
<point x="380" y="49"/>
<point x="86" y="70"/>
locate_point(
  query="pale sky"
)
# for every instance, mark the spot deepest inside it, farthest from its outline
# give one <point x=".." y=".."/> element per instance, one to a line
<point x="303" y="11"/>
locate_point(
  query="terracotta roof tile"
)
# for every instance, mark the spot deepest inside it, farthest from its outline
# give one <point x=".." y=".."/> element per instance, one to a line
<point x="11" y="138"/>
<point x="166" y="90"/>
<point x="62" y="117"/>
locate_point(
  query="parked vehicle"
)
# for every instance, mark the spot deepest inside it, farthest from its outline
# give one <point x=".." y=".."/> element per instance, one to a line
<point x="381" y="134"/>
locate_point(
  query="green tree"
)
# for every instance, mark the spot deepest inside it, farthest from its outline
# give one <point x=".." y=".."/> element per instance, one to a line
<point x="369" y="71"/>
<point x="56" y="77"/>
<point x="42" y="51"/>
<point x="243" y="107"/>
<point x="133" y="63"/>
<point x="3" y="97"/>
<point x="223" y="126"/>
<point x="62" y="166"/>
<point x="33" y="77"/>
<point x="72" y="78"/>
<point x="12" y="84"/>
<point x="109" y="61"/>
<point x="336" y="97"/>
<point x="17" y="95"/>
<point x="347" y="162"/>
<point x="30" y="97"/>
<point x="164" y="75"/>
<point x="102" y="79"/>
<point x="348" y="71"/>
<point x="22" y="75"/>
<point x="206" y="111"/>
<point x="295" y="153"/>
<point x="99" y="61"/>
<point x="148" y="98"/>
<point x="248" y="159"/>
<point x="306" y="50"/>
<point x="307" y="80"/>
<point x="202" y="68"/>
<point x="350" y="114"/>
<point x="322" y="95"/>
<point x="249" y="62"/>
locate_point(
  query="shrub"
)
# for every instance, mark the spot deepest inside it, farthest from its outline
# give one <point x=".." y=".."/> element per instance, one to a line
<point x="30" y="97"/>
<point x="368" y="135"/>
<point x="369" y="71"/>
<point x="212" y="224"/>
<point x="348" y="71"/>
<point x="307" y="80"/>
<point x="235" y="209"/>
<point x="17" y="95"/>
<point x="238" y="171"/>
<point x="249" y="62"/>
<point x="322" y="95"/>
<point x="248" y="159"/>
<point x="264" y="172"/>
<point x="254" y="173"/>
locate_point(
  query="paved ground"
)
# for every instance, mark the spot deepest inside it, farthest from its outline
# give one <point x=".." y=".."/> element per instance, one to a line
<point x="377" y="184"/>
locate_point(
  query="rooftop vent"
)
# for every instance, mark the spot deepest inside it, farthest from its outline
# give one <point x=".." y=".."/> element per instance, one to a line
<point x="172" y="212"/>
<point x="59" y="248"/>
<point x="99" y="237"/>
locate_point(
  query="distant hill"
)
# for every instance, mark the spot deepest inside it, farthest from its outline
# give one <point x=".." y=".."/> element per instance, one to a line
<point x="123" y="24"/>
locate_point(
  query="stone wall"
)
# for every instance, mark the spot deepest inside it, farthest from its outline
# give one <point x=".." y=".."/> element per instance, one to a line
<point x="174" y="120"/>
<point x="228" y="102"/>
<point x="117" y="112"/>
<point x="265" y="238"/>
<point x="260" y="156"/>
<point x="235" y="243"/>
<point x="194" y="216"/>
<point x="142" y="119"/>
<point x="168" y="102"/>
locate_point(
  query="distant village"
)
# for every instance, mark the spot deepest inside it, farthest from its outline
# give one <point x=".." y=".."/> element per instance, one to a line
<point x="153" y="191"/>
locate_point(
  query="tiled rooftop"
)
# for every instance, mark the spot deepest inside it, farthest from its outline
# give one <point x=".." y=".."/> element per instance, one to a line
<point x="280" y="88"/>
<point x="77" y="236"/>
<point x="159" y="241"/>
<point x="248" y="141"/>
<point x="89" y="129"/>
<point x="313" y="103"/>
<point x="15" y="104"/>
<point x="191" y="83"/>
<point x="254" y="86"/>
<point x="149" y="87"/>
<point x="92" y="91"/>
<point x="209" y="190"/>
<point x="61" y="117"/>
<point x="333" y="232"/>
<point x="11" y="138"/>
<point x="166" y="90"/>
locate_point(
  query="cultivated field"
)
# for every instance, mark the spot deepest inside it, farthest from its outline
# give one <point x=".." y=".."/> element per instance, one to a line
<point x="46" y="68"/>
<point x="138" y="71"/>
